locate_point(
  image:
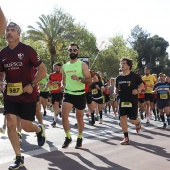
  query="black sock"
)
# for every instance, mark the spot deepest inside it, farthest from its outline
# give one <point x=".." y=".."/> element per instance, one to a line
<point x="92" y="116"/>
<point x="162" y="118"/>
<point x="154" y="112"/>
<point x="109" y="108"/>
<point x="126" y="134"/>
<point x="100" y="114"/>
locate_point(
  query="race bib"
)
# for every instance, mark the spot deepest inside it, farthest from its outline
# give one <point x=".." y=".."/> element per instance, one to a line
<point x="41" y="85"/>
<point x="112" y="99"/>
<point x="54" y="87"/>
<point x="126" y="104"/>
<point x="94" y="91"/>
<point x="14" y="89"/>
<point x="163" y="96"/>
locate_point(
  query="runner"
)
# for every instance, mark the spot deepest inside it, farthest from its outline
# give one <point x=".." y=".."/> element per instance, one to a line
<point x="54" y="83"/>
<point x="162" y="89"/>
<point x="18" y="60"/>
<point x="97" y="98"/>
<point x="75" y="75"/>
<point x="149" y="80"/>
<point x="44" y="94"/>
<point x="128" y="85"/>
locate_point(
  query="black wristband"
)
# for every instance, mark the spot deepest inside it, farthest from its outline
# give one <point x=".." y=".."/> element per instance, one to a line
<point x="33" y="85"/>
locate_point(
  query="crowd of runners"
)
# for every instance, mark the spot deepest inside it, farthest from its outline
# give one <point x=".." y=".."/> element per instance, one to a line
<point x="28" y="90"/>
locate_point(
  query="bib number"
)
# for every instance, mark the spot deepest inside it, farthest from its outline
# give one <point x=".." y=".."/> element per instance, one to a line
<point x="41" y="85"/>
<point x="112" y="98"/>
<point x="163" y="96"/>
<point x="54" y="87"/>
<point x="14" y="89"/>
<point x="126" y="104"/>
<point x="94" y="91"/>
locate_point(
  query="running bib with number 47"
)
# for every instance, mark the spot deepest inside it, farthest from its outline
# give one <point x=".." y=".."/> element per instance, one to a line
<point x="126" y="104"/>
<point x="14" y="89"/>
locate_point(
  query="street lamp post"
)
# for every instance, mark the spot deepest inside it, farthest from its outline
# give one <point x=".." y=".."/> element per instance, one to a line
<point x="149" y="64"/>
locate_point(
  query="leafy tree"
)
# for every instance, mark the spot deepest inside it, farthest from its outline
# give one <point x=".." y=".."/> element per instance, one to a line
<point x="52" y="31"/>
<point x="149" y="48"/>
<point x="108" y="61"/>
<point x="3" y="42"/>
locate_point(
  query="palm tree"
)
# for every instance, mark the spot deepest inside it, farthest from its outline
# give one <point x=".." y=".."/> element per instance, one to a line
<point x="53" y="30"/>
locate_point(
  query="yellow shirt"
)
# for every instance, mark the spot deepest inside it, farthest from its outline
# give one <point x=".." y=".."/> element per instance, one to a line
<point x="150" y="81"/>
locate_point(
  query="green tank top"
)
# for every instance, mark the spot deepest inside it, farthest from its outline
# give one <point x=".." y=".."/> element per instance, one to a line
<point x="42" y="83"/>
<point x="72" y="86"/>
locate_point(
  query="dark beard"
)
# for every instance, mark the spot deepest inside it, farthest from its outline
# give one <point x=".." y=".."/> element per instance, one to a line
<point x="73" y="56"/>
<point x="57" y="72"/>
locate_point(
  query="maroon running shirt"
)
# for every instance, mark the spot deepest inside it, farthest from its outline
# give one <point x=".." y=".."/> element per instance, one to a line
<point x="18" y="65"/>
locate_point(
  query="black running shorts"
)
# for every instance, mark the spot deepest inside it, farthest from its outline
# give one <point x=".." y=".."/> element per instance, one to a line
<point x="57" y="97"/>
<point x="25" y="111"/>
<point x="78" y="101"/>
<point x="131" y="112"/>
<point x="44" y="95"/>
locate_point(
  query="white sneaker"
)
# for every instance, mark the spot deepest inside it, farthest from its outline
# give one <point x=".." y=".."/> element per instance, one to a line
<point x="3" y="129"/>
<point x="101" y="121"/>
<point x="148" y="121"/>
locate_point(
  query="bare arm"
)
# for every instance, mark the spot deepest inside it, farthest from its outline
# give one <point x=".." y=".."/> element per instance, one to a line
<point x="2" y="22"/>
<point x="2" y="77"/>
<point x="40" y="74"/>
<point x="139" y="89"/>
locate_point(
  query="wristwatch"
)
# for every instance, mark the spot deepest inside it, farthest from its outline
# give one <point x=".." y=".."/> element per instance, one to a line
<point x="33" y="85"/>
<point x="80" y="79"/>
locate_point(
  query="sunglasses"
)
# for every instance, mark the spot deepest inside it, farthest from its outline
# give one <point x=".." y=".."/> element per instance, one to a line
<point x="73" y="50"/>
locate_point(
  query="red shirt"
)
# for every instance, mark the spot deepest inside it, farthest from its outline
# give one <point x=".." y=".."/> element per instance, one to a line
<point x="55" y="77"/>
<point x="19" y="64"/>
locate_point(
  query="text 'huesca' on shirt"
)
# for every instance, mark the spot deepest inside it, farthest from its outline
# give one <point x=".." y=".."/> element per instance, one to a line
<point x="126" y="85"/>
<point x="19" y="64"/>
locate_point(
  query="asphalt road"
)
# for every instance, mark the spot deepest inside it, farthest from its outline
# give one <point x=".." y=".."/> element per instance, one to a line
<point x="101" y="149"/>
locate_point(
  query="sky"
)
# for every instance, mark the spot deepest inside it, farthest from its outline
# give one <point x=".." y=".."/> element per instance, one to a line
<point x="104" y="18"/>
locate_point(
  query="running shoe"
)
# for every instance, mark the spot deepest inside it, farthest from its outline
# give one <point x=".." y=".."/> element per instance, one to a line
<point x="92" y="122"/>
<point x="19" y="162"/>
<point x="101" y="121"/>
<point x="3" y="129"/>
<point x="97" y="118"/>
<point x="54" y="123"/>
<point x="79" y="143"/>
<point x="138" y="127"/>
<point x="147" y="122"/>
<point x="41" y="138"/>
<point x="155" y="118"/>
<point x="87" y="114"/>
<point x="164" y="125"/>
<point x="66" y="142"/>
<point x="20" y="136"/>
<point x="125" y="141"/>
